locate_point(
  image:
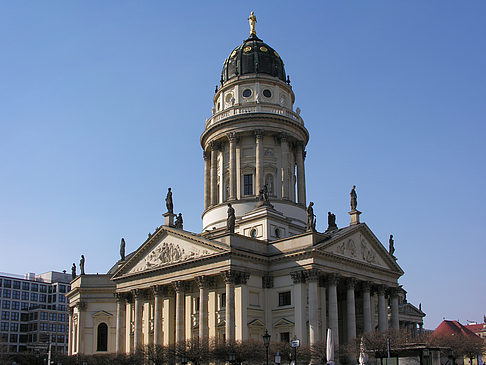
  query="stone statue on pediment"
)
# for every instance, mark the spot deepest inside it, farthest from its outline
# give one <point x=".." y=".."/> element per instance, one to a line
<point x="311" y="218"/>
<point x="73" y="271"/>
<point x="331" y="222"/>
<point x="391" y="245"/>
<point x="179" y="222"/>
<point x="122" y="249"/>
<point x="354" y="198"/>
<point x="168" y="202"/>
<point x="81" y="265"/>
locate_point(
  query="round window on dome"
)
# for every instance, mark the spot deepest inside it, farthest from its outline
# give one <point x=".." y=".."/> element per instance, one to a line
<point x="246" y="93"/>
<point x="263" y="49"/>
<point x="247" y="49"/>
<point x="267" y="93"/>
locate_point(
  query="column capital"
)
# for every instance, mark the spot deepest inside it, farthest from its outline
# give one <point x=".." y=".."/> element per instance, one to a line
<point x="332" y="279"/>
<point x="283" y="137"/>
<point x="299" y="145"/>
<point x="121" y="296"/>
<point x="70" y="311"/>
<point x="139" y="293"/>
<point x="206" y="155"/>
<point x="366" y="285"/>
<point x="179" y="286"/>
<point x="350" y="283"/>
<point x="232" y="137"/>
<point x="381" y="289"/>
<point x="313" y="274"/>
<point x="259" y="133"/>
<point x="214" y="145"/>
<point x="202" y="281"/>
<point x="81" y="305"/>
<point x="235" y="277"/>
<point x="298" y="277"/>
<point x="157" y="290"/>
<point x="267" y="281"/>
<point x="394" y="290"/>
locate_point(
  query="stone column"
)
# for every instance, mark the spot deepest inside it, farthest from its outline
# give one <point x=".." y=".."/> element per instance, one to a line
<point x="81" y="322"/>
<point x="323" y="310"/>
<point x="202" y="281"/>
<point x="284" y="146"/>
<point x="120" y="322"/>
<point x="214" y="172"/>
<point x="350" y="309"/>
<point x="232" y="165"/>
<point x="258" y="160"/>
<point x="158" y="301"/>
<point x="300" y="329"/>
<point x="382" y="310"/>
<point x="179" y="315"/>
<point x="207" y="179"/>
<point x="70" y="337"/>
<point x="395" y="323"/>
<point x="229" y="279"/>
<point x="333" y="307"/>
<point x="300" y="173"/>
<point x="137" y="332"/>
<point x="312" y="290"/>
<point x="241" y="304"/>
<point x="366" y="307"/>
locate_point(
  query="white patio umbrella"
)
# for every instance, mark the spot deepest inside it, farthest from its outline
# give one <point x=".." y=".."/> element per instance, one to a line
<point x="330" y="348"/>
<point x="363" y="357"/>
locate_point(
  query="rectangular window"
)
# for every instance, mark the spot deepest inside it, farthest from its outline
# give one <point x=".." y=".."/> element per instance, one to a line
<point x="24" y="317"/>
<point x="222" y="302"/>
<point x="53" y="317"/>
<point x="43" y="288"/>
<point x="52" y="327"/>
<point x="60" y="339"/>
<point x="25" y="295"/>
<point x="284" y="298"/>
<point x="16" y="284"/>
<point x="248" y="184"/>
<point x="15" y="294"/>
<point x="34" y="297"/>
<point x="60" y="328"/>
<point x="43" y="316"/>
<point x="62" y="298"/>
<point x="25" y="285"/>
<point x="43" y="298"/>
<point x="14" y="327"/>
<point x="0" y="282"/>
<point x="24" y="306"/>
<point x="5" y="315"/>
<point x="34" y="287"/>
<point x="14" y="316"/>
<point x="16" y="306"/>
<point x="62" y="288"/>
<point x="43" y="326"/>
<point x="7" y="293"/>
<point x="4" y="326"/>
<point x="61" y="317"/>
<point x="6" y="304"/>
<point x="7" y="283"/>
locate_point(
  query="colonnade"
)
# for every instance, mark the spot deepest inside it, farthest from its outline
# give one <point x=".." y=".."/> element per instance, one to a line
<point x="292" y="154"/>
<point x="163" y="315"/>
<point x="327" y="286"/>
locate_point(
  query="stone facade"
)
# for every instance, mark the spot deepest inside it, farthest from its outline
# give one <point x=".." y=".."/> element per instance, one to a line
<point x="271" y="273"/>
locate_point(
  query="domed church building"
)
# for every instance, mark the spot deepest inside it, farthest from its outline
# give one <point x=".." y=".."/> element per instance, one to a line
<point x="259" y="263"/>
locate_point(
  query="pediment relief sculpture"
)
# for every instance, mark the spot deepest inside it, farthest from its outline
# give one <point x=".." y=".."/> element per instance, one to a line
<point x="168" y="253"/>
<point x="359" y="249"/>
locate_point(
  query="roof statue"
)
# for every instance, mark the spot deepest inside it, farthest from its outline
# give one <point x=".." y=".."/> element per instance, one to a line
<point x="73" y="271"/>
<point x="168" y="202"/>
<point x="391" y="245"/>
<point x="179" y="222"/>
<point x="81" y="265"/>
<point x="331" y="222"/>
<point x="230" y="222"/>
<point x="252" y="19"/>
<point x="122" y="249"/>
<point x="354" y="198"/>
<point x="311" y="218"/>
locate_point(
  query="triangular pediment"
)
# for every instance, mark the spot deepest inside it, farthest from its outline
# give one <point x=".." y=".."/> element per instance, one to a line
<point x="102" y="315"/>
<point x="256" y="323"/>
<point x="169" y="247"/>
<point x="410" y="310"/>
<point x="283" y="322"/>
<point x="359" y="244"/>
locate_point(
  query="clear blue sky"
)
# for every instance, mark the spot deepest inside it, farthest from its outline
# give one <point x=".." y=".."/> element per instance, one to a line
<point x="102" y="104"/>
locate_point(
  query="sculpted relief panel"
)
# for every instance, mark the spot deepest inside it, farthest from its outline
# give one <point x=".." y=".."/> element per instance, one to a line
<point x="168" y="253"/>
<point x="358" y="248"/>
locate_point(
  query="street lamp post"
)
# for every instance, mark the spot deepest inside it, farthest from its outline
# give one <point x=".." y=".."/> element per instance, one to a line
<point x="266" y="342"/>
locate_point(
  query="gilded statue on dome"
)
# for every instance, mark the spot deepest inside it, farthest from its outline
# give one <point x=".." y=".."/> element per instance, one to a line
<point x="252" y="19"/>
